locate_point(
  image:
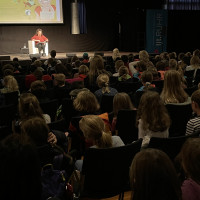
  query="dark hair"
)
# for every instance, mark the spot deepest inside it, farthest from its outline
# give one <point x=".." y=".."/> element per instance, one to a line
<point x="190" y="157"/>
<point x="53" y="53"/>
<point x="196" y="97"/>
<point x="36" y="129"/>
<point x="153" y="176"/>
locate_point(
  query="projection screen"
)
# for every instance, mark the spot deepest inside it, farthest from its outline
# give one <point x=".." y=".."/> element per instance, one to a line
<point x="31" y="12"/>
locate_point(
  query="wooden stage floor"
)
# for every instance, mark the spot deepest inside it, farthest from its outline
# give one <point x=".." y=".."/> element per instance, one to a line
<point x="66" y="54"/>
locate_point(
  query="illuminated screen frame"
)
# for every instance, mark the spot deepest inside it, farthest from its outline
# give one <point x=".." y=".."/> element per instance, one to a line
<point x="30" y="12"/>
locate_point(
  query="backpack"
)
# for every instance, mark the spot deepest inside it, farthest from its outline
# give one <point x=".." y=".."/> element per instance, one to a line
<point x="54" y="182"/>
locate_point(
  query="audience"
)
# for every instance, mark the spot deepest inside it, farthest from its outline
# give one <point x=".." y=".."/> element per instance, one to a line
<point x="160" y="180"/>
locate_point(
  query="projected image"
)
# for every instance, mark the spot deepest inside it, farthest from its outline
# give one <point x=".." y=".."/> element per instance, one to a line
<point x="31" y="11"/>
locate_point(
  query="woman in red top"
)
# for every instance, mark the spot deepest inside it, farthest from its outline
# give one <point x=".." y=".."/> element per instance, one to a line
<point x="40" y="41"/>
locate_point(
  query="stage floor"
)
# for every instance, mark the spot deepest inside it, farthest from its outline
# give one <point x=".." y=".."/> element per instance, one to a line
<point x="67" y="54"/>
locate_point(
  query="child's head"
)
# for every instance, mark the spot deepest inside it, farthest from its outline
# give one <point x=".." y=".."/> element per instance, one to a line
<point x="86" y="101"/>
<point x="83" y="69"/>
<point x="36" y="129"/>
<point x="121" y="101"/>
<point x="153" y="176"/>
<point x="59" y="79"/>
<point x="11" y="83"/>
<point x="93" y="128"/>
<point x="153" y="112"/>
<point x="147" y="76"/>
<point x="195" y="98"/>
<point x="190" y="157"/>
<point x="103" y="80"/>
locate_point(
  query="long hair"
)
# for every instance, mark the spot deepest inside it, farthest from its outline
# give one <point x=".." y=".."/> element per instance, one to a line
<point x="93" y="128"/>
<point x="147" y="78"/>
<point x="11" y="83"/>
<point x="153" y="112"/>
<point x="29" y="106"/>
<point x="103" y="83"/>
<point x="144" y="55"/>
<point x="190" y="157"/>
<point x="96" y="68"/>
<point x="121" y="101"/>
<point x="153" y="176"/>
<point x="173" y="91"/>
<point x="86" y="101"/>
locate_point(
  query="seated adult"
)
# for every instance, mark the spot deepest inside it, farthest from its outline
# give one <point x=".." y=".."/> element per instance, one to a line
<point x="40" y="41"/>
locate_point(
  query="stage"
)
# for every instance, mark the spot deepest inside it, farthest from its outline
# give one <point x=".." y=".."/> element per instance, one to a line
<point x="64" y="55"/>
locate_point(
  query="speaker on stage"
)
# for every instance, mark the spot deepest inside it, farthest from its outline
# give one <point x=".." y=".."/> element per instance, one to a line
<point x="4" y="57"/>
<point x="37" y="55"/>
<point x="99" y="53"/>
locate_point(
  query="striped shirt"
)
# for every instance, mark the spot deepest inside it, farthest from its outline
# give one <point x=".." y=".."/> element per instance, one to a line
<point x="193" y="125"/>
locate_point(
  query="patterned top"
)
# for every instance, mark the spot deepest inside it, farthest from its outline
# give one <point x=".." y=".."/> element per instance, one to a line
<point x="193" y="125"/>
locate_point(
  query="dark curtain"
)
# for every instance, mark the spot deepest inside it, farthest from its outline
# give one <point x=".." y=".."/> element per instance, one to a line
<point x="82" y="17"/>
<point x="183" y="4"/>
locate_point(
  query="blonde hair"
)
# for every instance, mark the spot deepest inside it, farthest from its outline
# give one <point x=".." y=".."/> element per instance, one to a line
<point x="173" y="91"/>
<point x="103" y="82"/>
<point x="144" y="55"/>
<point x="11" y="83"/>
<point x="60" y="79"/>
<point x="121" y="101"/>
<point x="116" y="54"/>
<point x="93" y="128"/>
<point x="83" y="69"/>
<point x="86" y="101"/>
<point x="195" y="61"/>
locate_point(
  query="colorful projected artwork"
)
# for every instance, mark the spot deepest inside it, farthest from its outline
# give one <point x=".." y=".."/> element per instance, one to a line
<point x="31" y="11"/>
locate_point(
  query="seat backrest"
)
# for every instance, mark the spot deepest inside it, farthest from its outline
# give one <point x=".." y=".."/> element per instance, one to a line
<point x="11" y="98"/>
<point x="106" y="103"/>
<point x="7" y="114"/>
<point x="127" y="130"/>
<point x="128" y="87"/>
<point x="68" y="109"/>
<point x="171" y="146"/>
<point x="59" y="125"/>
<point x="180" y="115"/>
<point x="106" y="171"/>
<point x="50" y="107"/>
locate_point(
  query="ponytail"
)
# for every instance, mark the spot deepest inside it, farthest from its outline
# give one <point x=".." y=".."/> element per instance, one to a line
<point x="105" y="140"/>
